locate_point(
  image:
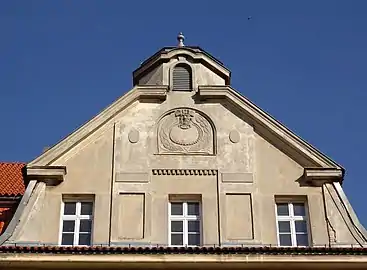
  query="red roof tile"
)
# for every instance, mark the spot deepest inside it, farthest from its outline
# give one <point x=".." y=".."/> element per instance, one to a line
<point x="11" y="179"/>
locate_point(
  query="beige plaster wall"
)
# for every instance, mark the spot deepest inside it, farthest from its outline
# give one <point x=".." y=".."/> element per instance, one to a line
<point x="277" y="175"/>
<point x="89" y="174"/>
<point x="203" y="75"/>
<point x="207" y="77"/>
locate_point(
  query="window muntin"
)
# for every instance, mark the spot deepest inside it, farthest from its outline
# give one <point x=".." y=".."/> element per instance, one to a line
<point x="292" y="227"/>
<point x="76" y="223"/>
<point x="184" y="223"/>
<point x="182" y="78"/>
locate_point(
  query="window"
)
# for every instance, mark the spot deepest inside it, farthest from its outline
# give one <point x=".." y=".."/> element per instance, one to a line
<point x="184" y="224"/>
<point x="76" y="223"/>
<point x="292" y="224"/>
<point x="182" y="80"/>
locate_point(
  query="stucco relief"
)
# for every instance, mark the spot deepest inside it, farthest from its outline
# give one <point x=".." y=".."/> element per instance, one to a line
<point x="185" y="131"/>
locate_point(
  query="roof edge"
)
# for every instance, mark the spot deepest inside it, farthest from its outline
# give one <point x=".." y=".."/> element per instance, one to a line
<point x="75" y="137"/>
<point x="269" y="122"/>
<point x="189" y="48"/>
<point x="165" y="54"/>
<point x="215" y="250"/>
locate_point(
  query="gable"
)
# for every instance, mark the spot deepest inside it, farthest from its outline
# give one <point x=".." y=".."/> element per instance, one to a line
<point x="170" y="142"/>
<point x="261" y="122"/>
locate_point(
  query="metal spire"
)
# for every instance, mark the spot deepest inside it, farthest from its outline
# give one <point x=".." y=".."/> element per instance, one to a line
<point x="180" y="39"/>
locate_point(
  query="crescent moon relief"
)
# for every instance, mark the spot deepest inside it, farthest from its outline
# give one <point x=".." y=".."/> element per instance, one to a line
<point x="185" y="131"/>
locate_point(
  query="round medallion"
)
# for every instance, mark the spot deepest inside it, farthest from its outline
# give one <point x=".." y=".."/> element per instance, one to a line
<point x="234" y="136"/>
<point x="184" y="136"/>
<point x="133" y="136"/>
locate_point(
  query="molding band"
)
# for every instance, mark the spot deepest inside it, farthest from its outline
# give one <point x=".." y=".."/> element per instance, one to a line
<point x="199" y="172"/>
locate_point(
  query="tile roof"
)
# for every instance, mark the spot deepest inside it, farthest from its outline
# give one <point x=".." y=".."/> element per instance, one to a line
<point x="184" y="250"/>
<point x="11" y="179"/>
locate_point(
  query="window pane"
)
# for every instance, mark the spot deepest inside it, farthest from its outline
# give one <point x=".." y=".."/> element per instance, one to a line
<point x="84" y="239"/>
<point x="177" y="239"/>
<point x="285" y="240"/>
<point x="176" y="226"/>
<point x="194" y="225"/>
<point x="284" y="226"/>
<point x="176" y="209"/>
<point x="194" y="239"/>
<point x="299" y="209"/>
<point x="302" y="240"/>
<point x="282" y="209"/>
<point x="69" y="208"/>
<point x="85" y="225"/>
<point x="86" y="208"/>
<point x="301" y="226"/>
<point x="68" y="226"/>
<point x="193" y="209"/>
<point x="67" y="239"/>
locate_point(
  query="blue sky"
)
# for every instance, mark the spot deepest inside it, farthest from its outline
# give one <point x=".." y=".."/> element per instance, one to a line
<point x="304" y="62"/>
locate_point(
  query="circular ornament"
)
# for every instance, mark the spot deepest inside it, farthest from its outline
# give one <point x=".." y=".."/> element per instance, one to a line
<point x="133" y="136"/>
<point x="234" y="136"/>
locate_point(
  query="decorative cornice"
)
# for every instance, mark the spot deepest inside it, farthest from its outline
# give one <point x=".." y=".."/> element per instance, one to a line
<point x="321" y="173"/>
<point x="47" y="174"/>
<point x="200" y="172"/>
<point x="318" y="176"/>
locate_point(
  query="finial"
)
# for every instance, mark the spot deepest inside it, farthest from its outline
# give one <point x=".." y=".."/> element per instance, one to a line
<point x="180" y="39"/>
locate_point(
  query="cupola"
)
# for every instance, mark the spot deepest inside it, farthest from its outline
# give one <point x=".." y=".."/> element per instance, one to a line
<point x="182" y="68"/>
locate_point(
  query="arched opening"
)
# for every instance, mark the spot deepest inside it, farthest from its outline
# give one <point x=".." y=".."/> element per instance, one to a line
<point x="182" y="78"/>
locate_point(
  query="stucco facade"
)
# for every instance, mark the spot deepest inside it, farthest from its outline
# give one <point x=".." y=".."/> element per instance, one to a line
<point x="209" y="144"/>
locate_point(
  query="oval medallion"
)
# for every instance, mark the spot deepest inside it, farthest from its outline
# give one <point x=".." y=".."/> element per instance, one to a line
<point x="234" y="136"/>
<point x="187" y="136"/>
<point x="133" y="136"/>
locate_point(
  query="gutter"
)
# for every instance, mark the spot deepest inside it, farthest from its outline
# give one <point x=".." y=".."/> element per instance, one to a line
<point x="11" y="198"/>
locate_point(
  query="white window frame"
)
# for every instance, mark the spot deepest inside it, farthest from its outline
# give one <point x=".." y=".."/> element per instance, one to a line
<point x="292" y="220"/>
<point x="185" y="218"/>
<point x="76" y="217"/>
